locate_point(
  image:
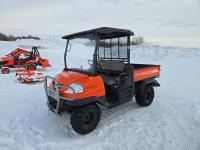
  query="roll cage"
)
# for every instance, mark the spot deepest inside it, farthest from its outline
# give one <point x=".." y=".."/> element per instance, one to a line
<point x="34" y="53"/>
<point x="112" y="45"/>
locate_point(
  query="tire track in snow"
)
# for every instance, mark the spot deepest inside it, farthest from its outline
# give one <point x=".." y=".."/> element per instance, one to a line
<point x="178" y="122"/>
<point x="21" y="133"/>
<point x="122" y="127"/>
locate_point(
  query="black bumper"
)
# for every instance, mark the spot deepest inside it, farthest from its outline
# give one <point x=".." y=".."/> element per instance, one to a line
<point x="65" y="105"/>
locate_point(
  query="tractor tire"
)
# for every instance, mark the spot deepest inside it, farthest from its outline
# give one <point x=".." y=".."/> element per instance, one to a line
<point x="147" y="98"/>
<point x="85" y="119"/>
<point x="5" y="70"/>
<point x="31" y="67"/>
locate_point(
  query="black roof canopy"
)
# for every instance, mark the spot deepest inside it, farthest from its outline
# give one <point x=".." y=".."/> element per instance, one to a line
<point x="102" y="33"/>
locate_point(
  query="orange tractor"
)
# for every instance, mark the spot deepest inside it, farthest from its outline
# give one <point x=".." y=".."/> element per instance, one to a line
<point x="20" y="58"/>
<point x="111" y="81"/>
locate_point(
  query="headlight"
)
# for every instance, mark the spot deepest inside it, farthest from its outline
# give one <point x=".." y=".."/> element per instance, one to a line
<point x="76" y="87"/>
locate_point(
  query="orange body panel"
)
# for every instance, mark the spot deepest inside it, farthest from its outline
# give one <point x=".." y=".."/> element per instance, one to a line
<point x="145" y="73"/>
<point x="9" y="60"/>
<point x="93" y="85"/>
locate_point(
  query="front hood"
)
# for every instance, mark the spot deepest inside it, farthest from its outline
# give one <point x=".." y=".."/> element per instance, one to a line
<point x="5" y="58"/>
<point x="5" y="61"/>
<point x="67" y="77"/>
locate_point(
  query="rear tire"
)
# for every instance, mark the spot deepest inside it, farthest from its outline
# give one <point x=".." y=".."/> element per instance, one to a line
<point x="85" y="119"/>
<point x="147" y="98"/>
<point x="31" y="67"/>
<point x="5" y="70"/>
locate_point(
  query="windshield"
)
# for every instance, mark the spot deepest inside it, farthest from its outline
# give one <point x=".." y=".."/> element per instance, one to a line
<point x="80" y="54"/>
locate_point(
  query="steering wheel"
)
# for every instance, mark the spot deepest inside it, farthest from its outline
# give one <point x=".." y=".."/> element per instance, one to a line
<point x="90" y="62"/>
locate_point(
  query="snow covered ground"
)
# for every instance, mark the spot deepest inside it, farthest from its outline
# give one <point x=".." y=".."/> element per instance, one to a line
<point x="172" y="122"/>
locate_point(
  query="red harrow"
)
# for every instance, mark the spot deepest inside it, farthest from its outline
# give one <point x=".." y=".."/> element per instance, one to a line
<point x="28" y="76"/>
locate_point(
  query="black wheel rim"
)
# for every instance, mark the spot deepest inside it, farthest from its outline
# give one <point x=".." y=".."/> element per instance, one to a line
<point x="88" y="118"/>
<point x="5" y="71"/>
<point x="31" y="67"/>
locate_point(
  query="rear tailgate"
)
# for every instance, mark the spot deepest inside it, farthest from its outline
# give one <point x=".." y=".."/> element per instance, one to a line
<point x="147" y="72"/>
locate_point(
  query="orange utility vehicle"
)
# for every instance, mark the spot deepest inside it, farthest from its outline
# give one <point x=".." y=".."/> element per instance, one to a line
<point x="20" y="58"/>
<point x="111" y="81"/>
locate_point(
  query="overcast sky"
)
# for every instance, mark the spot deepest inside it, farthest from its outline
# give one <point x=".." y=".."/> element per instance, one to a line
<point x="172" y="21"/>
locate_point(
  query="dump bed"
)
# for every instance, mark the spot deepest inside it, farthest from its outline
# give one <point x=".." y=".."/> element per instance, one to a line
<point x="144" y="71"/>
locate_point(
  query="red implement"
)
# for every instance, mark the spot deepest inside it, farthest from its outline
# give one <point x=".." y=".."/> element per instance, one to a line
<point x="28" y="76"/>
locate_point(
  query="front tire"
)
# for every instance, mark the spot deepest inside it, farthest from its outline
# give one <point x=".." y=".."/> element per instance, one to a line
<point x="31" y="67"/>
<point x="85" y="119"/>
<point x="5" y="70"/>
<point x="147" y="97"/>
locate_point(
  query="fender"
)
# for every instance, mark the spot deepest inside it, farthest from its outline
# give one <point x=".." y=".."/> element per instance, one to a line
<point x="86" y="101"/>
<point x="31" y="61"/>
<point x="143" y="84"/>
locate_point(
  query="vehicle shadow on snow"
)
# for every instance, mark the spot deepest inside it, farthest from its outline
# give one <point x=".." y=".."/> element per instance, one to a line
<point x="108" y="117"/>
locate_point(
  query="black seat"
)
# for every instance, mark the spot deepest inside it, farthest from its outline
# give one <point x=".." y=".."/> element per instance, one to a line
<point x="111" y="66"/>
